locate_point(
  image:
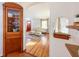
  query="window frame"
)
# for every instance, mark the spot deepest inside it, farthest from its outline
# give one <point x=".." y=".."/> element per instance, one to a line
<point x="58" y="25"/>
<point x="47" y="23"/>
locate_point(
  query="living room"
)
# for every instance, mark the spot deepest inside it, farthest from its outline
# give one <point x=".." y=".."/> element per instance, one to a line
<point x="38" y="17"/>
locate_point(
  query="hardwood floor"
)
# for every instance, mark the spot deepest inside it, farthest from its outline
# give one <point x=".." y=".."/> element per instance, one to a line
<point x="36" y="47"/>
<point x="39" y="48"/>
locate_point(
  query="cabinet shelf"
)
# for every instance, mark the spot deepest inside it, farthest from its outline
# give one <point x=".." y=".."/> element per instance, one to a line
<point x="73" y="27"/>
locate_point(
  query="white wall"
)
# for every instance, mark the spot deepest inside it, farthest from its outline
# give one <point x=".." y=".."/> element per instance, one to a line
<point x="68" y="10"/>
<point x="1" y="29"/>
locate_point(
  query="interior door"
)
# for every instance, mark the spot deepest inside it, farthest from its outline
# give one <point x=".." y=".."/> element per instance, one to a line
<point x="28" y="26"/>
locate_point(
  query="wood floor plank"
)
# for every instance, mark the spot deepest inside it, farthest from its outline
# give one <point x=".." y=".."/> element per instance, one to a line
<point x="29" y="48"/>
<point x="45" y="51"/>
<point x="34" y="48"/>
<point x="39" y="49"/>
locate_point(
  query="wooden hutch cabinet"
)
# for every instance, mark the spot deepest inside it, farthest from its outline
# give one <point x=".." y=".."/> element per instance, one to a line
<point x="12" y="28"/>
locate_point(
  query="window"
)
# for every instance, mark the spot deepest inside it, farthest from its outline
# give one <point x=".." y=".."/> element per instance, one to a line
<point x="44" y="24"/>
<point x="61" y="24"/>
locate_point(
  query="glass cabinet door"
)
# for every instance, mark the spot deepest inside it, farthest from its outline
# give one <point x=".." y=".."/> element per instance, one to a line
<point x="13" y="21"/>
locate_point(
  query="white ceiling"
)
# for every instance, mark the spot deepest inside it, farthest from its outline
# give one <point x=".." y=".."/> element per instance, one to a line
<point x="28" y="4"/>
